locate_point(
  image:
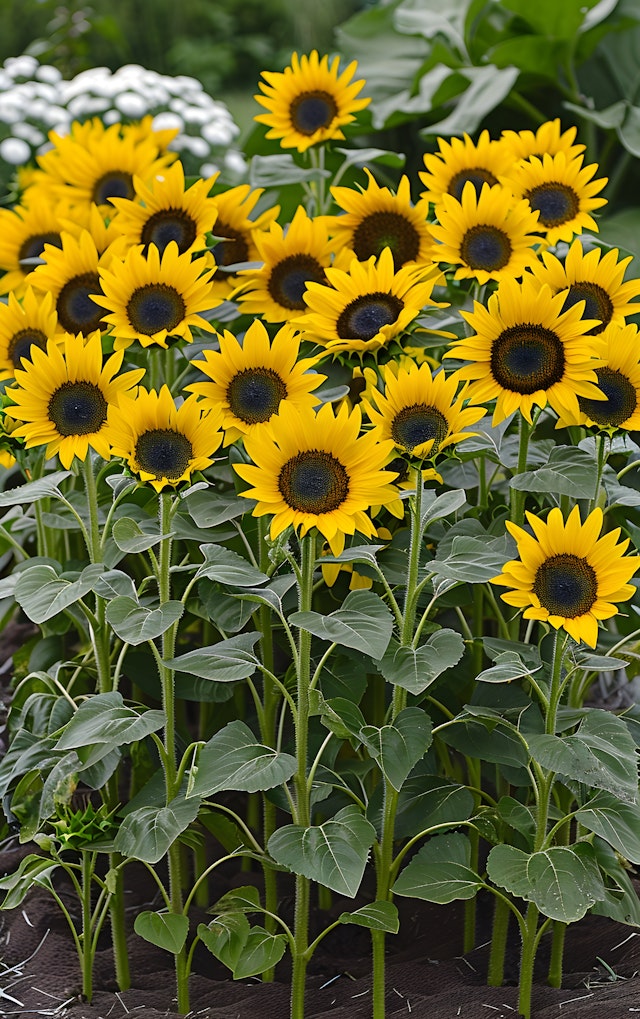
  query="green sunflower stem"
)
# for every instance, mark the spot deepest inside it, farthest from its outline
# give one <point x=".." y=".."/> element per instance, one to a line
<point x="171" y="768"/>
<point x="302" y="793"/>
<point x="527" y="960"/>
<point x="602" y="454"/>
<point x="517" y="498"/>
<point x="499" y="934"/>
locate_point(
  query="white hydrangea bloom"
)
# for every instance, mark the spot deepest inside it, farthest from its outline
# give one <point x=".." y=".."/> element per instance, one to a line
<point x="15" y="151"/>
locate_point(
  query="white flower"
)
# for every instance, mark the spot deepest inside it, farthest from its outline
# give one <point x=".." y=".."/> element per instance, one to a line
<point x="48" y="73"/>
<point x="167" y="121"/>
<point x="235" y="162"/>
<point x="131" y="104"/>
<point x="15" y="151"/>
<point x="111" y="117"/>
<point x="29" y="133"/>
<point x="217" y="133"/>
<point x="21" y="67"/>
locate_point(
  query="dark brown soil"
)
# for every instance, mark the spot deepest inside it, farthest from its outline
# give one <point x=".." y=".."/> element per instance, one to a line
<point x="428" y="978"/>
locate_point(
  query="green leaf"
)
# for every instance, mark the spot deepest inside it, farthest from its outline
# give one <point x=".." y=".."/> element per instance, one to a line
<point x="42" y="593"/>
<point x="484" y="89"/>
<point x="363" y="157"/>
<point x="32" y="870"/>
<point x="570" y="471"/>
<point x="621" y="900"/>
<point x="274" y="171"/>
<point x="364" y="622"/>
<point x="130" y="537"/>
<point x="616" y="822"/>
<point x="426" y="801"/>
<point x="244" y="899"/>
<point x="104" y="718"/>
<point x="398" y="747"/>
<point x="341" y="716"/>
<point x="472" y="560"/>
<point x="435" y="507"/>
<point x="488" y="740"/>
<point x="227" y="567"/>
<point x="166" y="930"/>
<point x="415" y="669"/>
<point x="135" y="623"/>
<point x="509" y="666"/>
<point x="334" y="853"/>
<point x="225" y="937"/>
<point x="226" y="662"/>
<point x="112" y="583"/>
<point x="440" y="871"/>
<point x="551" y="19"/>
<point x="33" y="491"/>
<point x="601" y="754"/>
<point x="377" y="916"/>
<point x="234" y="759"/>
<point x="147" y="833"/>
<point x="563" y="881"/>
<point x="261" y="951"/>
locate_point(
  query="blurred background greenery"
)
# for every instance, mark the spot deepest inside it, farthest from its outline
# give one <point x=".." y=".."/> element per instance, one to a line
<point x="225" y="44"/>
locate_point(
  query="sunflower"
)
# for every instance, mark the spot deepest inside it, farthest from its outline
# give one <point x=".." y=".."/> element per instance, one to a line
<point x="162" y="443"/>
<point x="292" y="260"/>
<point x="316" y="470"/>
<point x="526" y="350"/>
<point x="309" y="102"/>
<point x="167" y="211"/>
<point x="24" y="231"/>
<point x="150" y="299"/>
<point x="460" y="161"/>
<point x="94" y="163"/>
<point x="71" y="274"/>
<point x="549" y="139"/>
<point x="619" y="380"/>
<point x="595" y="278"/>
<point x="236" y="228"/>
<point x="250" y="381"/>
<point x="24" y="325"/>
<point x="561" y="190"/>
<point x="567" y="575"/>
<point x="110" y="243"/>
<point x="419" y="411"/>
<point x="365" y="308"/>
<point x="489" y="237"/>
<point x="63" y="394"/>
<point x="377" y="219"/>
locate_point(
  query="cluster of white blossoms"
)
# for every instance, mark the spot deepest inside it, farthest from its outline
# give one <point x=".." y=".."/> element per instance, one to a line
<point x="35" y="99"/>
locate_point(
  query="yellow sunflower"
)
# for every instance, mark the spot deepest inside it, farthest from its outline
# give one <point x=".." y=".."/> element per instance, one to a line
<point x="250" y="381"/>
<point x="109" y="242"/>
<point x="24" y="231"/>
<point x="292" y="259"/>
<point x="461" y="160"/>
<point x="377" y="219"/>
<point x="561" y="190"/>
<point x="162" y="443"/>
<point x="593" y="277"/>
<point x="62" y="396"/>
<point x="24" y="325"/>
<point x="235" y="225"/>
<point x="310" y="101"/>
<point x="317" y="470"/>
<point x="619" y="380"/>
<point x="94" y="163"/>
<point x="527" y="351"/>
<point x="419" y="411"/>
<point x="150" y="299"/>
<point x="567" y="575"/>
<point x="167" y="211"/>
<point x="489" y="237"/>
<point x="365" y="308"/>
<point x="549" y="139"/>
<point x="71" y="274"/>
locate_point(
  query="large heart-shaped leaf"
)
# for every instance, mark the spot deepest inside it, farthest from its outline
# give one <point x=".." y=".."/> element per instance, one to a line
<point x="563" y="881"/>
<point x="440" y="871"/>
<point x="227" y="661"/>
<point x="166" y="930"/>
<point x="415" y="669"/>
<point x="104" y="718"/>
<point x="616" y="822"/>
<point x="364" y="622"/>
<point x="334" y="853"/>
<point x="146" y="834"/>
<point x="135" y="623"/>
<point x="398" y="747"/>
<point x="227" y="567"/>
<point x="235" y="759"/>
<point x="42" y="593"/>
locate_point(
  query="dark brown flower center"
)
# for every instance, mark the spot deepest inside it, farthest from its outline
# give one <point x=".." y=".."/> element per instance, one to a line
<point x="566" y="585"/>
<point x="526" y="358"/>
<point x="621" y="399"/>
<point x="312" y="111"/>
<point x="77" y="311"/>
<point x="163" y="453"/>
<point x="21" y="343"/>
<point x="169" y="225"/>
<point x="289" y="278"/>
<point x="313" y="482"/>
<point x="233" y="249"/>
<point x="33" y="247"/>
<point x="78" y="408"/>
<point x="254" y="394"/>
<point x="557" y="203"/>
<point x="476" y="174"/>
<point x="420" y="423"/>
<point x="597" y="303"/>
<point x="364" y="317"/>
<point x="381" y="230"/>
<point x="115" y="184"/>
<point x="485" y="247"/>
<point x="155" y="307"/>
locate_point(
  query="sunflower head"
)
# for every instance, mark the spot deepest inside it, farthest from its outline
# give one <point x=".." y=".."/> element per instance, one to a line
<point x="567" y="575"/>
<point x="618" y="379"/>
<point x="462" y="161"/>
<point x="549" y="139"/>
<point x="310" y="101"/>
<point x="251" y="380"/>
<point x="316" y="470"/>
<point x="162" y="443"/>
<point x="23" y="325"/>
